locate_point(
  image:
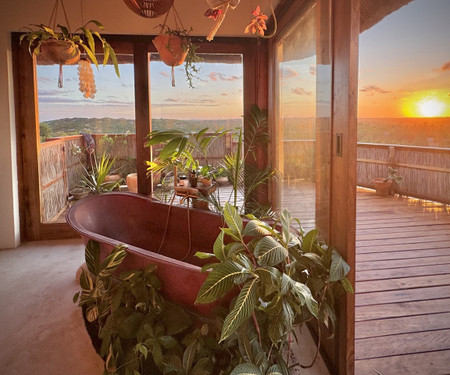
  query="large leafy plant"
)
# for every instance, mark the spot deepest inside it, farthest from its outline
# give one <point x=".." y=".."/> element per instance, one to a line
<point x="140" y="332"/>
<point x="282" y="281"/>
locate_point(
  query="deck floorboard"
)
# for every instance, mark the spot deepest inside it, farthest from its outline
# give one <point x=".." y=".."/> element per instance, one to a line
<point x="402" y="286"/>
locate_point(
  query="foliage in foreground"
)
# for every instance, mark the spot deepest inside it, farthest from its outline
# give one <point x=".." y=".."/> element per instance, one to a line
<point x="280" y="280"/>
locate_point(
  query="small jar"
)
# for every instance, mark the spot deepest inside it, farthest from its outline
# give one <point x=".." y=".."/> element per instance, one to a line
<point x="182" y="180"/>
<point x="193" y="179"/>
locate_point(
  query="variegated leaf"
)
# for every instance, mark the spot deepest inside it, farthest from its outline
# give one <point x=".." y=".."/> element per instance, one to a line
<point x="269" y="252"/>
<point x="219" y="281"/>
<point x="242" y="310"/>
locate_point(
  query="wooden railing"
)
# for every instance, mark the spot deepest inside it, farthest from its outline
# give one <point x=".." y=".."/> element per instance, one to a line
<point x="425" y="170"/>
<point x="59" y="171"/>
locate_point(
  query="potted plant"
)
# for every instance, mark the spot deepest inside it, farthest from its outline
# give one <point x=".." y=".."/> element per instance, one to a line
<point x="383" y="186"/>
<point x="61" y="46"/>
<point x="98" y="180"/>
<point x="175" y="47"/>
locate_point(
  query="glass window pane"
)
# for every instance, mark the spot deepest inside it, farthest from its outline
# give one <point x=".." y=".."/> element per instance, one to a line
<point x="303" y="119"/>
<point x="65" y="114"/>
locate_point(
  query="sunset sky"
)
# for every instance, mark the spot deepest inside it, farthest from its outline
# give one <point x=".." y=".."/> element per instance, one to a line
<point x="404" y="71"/>
<point x="405" y="63"/>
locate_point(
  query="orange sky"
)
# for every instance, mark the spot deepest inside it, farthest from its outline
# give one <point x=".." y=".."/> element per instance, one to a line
<point x="405" y="63"/>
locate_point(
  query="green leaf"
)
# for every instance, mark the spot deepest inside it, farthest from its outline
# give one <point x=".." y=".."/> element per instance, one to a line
<point x="219" y="247"/>
<point x="75" y="297"/>
<point x="268" y="275"/>
<point x="233" y="220"/>
<point x="92" y="313"/>
<point x="189" y="355"/>
<point x="142" y="349"/>
<point x="270" y="252"/>
<point x="242" y="310"/>
<point x="86" y="282"/>
<point x="167" y="341"/>
<point x="305" y="297"/>
<point x="203" y="255"/>
<point x="285" y="225"/>
<point x="246" y="369"/>
<point x="274" y="370"/>
<point x="112" y="261"/>
<point x="256" y="228"/>
<point x="175" y="320"/>
<point x="309" y="240"/>
<point x="219" y="281"/>
<point x="339" y="268"/>
<point x="90" y="38"/>
<point x="92" y="256"/>
<point x="347" y="285"/>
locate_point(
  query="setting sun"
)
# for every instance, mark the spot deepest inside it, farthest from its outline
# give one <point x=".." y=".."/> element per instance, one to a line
<point x="427" y="103"/>
<point x="431" y="107"/>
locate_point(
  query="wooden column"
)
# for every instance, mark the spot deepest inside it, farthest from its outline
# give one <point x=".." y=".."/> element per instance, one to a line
<point x="345" y="16"/>
<point x="142" y="109"/>
<point x="25" y="89"/>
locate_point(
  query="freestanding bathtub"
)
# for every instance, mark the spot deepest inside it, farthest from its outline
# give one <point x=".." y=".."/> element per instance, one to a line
<point x="139" y="222"/>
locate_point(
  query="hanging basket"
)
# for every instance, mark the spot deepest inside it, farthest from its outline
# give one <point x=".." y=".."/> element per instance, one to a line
<point x="149" y="8"/>
<point x="60" y="52"/>
<point x="170" y="49"/>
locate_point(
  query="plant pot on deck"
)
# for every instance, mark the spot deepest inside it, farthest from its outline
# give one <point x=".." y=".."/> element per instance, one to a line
<point x="382" y="187"/>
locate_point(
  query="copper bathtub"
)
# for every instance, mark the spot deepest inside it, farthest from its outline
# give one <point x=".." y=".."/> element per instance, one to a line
<point x="139" y="222"/>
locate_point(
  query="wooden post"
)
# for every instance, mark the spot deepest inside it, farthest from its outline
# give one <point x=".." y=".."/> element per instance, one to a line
<point x="143" y="119"/>
<point x="345" y="16"/>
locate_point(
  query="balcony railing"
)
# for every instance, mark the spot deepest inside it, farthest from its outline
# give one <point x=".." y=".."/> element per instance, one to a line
<point x="426" y="170"/>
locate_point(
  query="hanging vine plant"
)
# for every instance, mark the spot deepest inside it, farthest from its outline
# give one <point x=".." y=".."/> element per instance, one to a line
<point x="59" y="45"/>
<point x="175" y="47"/>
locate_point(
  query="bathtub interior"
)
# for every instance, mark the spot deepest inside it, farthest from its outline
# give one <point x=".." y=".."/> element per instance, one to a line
<point x="139" y="221"/>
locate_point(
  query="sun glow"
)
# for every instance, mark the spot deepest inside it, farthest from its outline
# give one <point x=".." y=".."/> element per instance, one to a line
<point x="430" y="103"/>
<point x="431" y="107"/>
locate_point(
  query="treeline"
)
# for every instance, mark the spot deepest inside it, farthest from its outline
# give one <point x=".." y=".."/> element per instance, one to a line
<point x="74" y="126"/>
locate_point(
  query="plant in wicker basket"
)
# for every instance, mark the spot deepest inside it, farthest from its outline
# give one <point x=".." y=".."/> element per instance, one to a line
<point x="59" y="45"/>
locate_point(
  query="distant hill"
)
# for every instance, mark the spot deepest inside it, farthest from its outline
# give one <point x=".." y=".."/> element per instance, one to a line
<point x="433" y="132"/>
<point x="77" y="125"/>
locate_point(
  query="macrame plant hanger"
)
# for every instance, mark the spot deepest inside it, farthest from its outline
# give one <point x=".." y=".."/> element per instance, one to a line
<point x="178" y="26"/>
<point x="52" y="24"/>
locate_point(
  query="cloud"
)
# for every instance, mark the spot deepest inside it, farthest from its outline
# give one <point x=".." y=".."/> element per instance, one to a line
<point x="164" y="74"/>
<point x="215" y="76"/>
<point x="224" y="94"/>
<point x="288" y="73"/>
<point x="371" y="89"/>
<point x="444" y="68"/>
<point x="312" y="70"/>
<point x="301" y="91"/>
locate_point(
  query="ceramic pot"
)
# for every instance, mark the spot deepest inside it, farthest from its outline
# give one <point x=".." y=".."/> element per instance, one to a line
<point x="132" y="182"/>
<point x="382" y="187"/>
<point x="170" y="49"/>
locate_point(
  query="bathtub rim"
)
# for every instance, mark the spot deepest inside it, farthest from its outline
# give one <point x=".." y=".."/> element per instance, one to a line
<point x="85" y="233"/>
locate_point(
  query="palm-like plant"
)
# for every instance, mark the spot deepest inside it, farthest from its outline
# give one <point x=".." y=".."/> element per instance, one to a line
<point x="95" y="179"/>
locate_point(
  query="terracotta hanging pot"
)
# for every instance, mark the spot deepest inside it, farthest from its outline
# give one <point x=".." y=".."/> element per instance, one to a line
<point x="60" y="52"/>
<point x="170" y="49"/>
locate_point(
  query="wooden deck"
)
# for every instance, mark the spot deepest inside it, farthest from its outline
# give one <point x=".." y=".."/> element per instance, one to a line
<point x="402" y="286"/>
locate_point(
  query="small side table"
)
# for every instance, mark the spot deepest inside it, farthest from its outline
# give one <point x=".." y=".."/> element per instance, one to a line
<point x="189" y="192"/>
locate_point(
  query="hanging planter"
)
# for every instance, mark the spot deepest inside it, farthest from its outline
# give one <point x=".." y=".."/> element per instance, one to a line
<point x="175" y="47"/>
<point x="149" y="8"/>
<point x="60" y="52"/>
<point x="171" y="49"/>
<point x="61" y="46"/>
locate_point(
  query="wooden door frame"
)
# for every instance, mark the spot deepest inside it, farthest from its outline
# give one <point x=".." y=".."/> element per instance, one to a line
<point x="27" y="121"/>
<point x="345" y="17"/>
